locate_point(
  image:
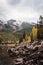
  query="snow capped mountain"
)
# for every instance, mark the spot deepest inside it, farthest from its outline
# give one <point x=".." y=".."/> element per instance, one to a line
<point x="15" y="25"/>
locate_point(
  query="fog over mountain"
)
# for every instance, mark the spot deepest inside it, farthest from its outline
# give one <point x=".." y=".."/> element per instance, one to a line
<point x="13" y="25"/>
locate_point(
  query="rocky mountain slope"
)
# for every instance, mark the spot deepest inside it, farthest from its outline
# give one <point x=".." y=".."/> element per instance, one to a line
<point x="13" y="25"/>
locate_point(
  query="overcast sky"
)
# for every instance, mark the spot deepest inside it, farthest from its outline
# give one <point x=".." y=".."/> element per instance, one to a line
<point x="24" y="10"/>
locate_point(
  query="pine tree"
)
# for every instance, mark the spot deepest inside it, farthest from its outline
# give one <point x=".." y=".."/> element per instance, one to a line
<point x="40" y="28"/>
<point x="24" y="35"/>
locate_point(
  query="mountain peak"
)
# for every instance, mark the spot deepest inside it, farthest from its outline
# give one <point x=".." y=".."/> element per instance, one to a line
<point x="12" y="20"/>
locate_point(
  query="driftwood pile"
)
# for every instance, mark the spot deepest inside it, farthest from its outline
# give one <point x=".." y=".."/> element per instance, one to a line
<point x="27" y="54"/>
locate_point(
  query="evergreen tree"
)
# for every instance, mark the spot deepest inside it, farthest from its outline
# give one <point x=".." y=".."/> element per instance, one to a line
<point x="24" y="35"/>
<point x="40" y="28"/>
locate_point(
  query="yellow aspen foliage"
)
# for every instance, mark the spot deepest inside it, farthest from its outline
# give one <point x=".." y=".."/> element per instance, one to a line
<point x="34" y="33"/>
<point x="17" y="41"/>
<point x="10" y="41"/>
<point x="28" y="38"/>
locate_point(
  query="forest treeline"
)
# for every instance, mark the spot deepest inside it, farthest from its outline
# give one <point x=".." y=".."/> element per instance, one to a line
<point x="35" y="34"/>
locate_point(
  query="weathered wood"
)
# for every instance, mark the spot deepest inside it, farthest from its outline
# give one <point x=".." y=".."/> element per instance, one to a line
<point x="25" y="54"/>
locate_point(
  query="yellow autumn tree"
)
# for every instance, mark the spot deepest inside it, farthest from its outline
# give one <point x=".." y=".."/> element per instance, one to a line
<point x="28" y="38"/>
<point x="34" y="33"/>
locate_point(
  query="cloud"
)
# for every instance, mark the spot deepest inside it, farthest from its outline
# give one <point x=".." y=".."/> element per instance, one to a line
<point x="24" y="10"/>
<point x="13" y="2"/>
